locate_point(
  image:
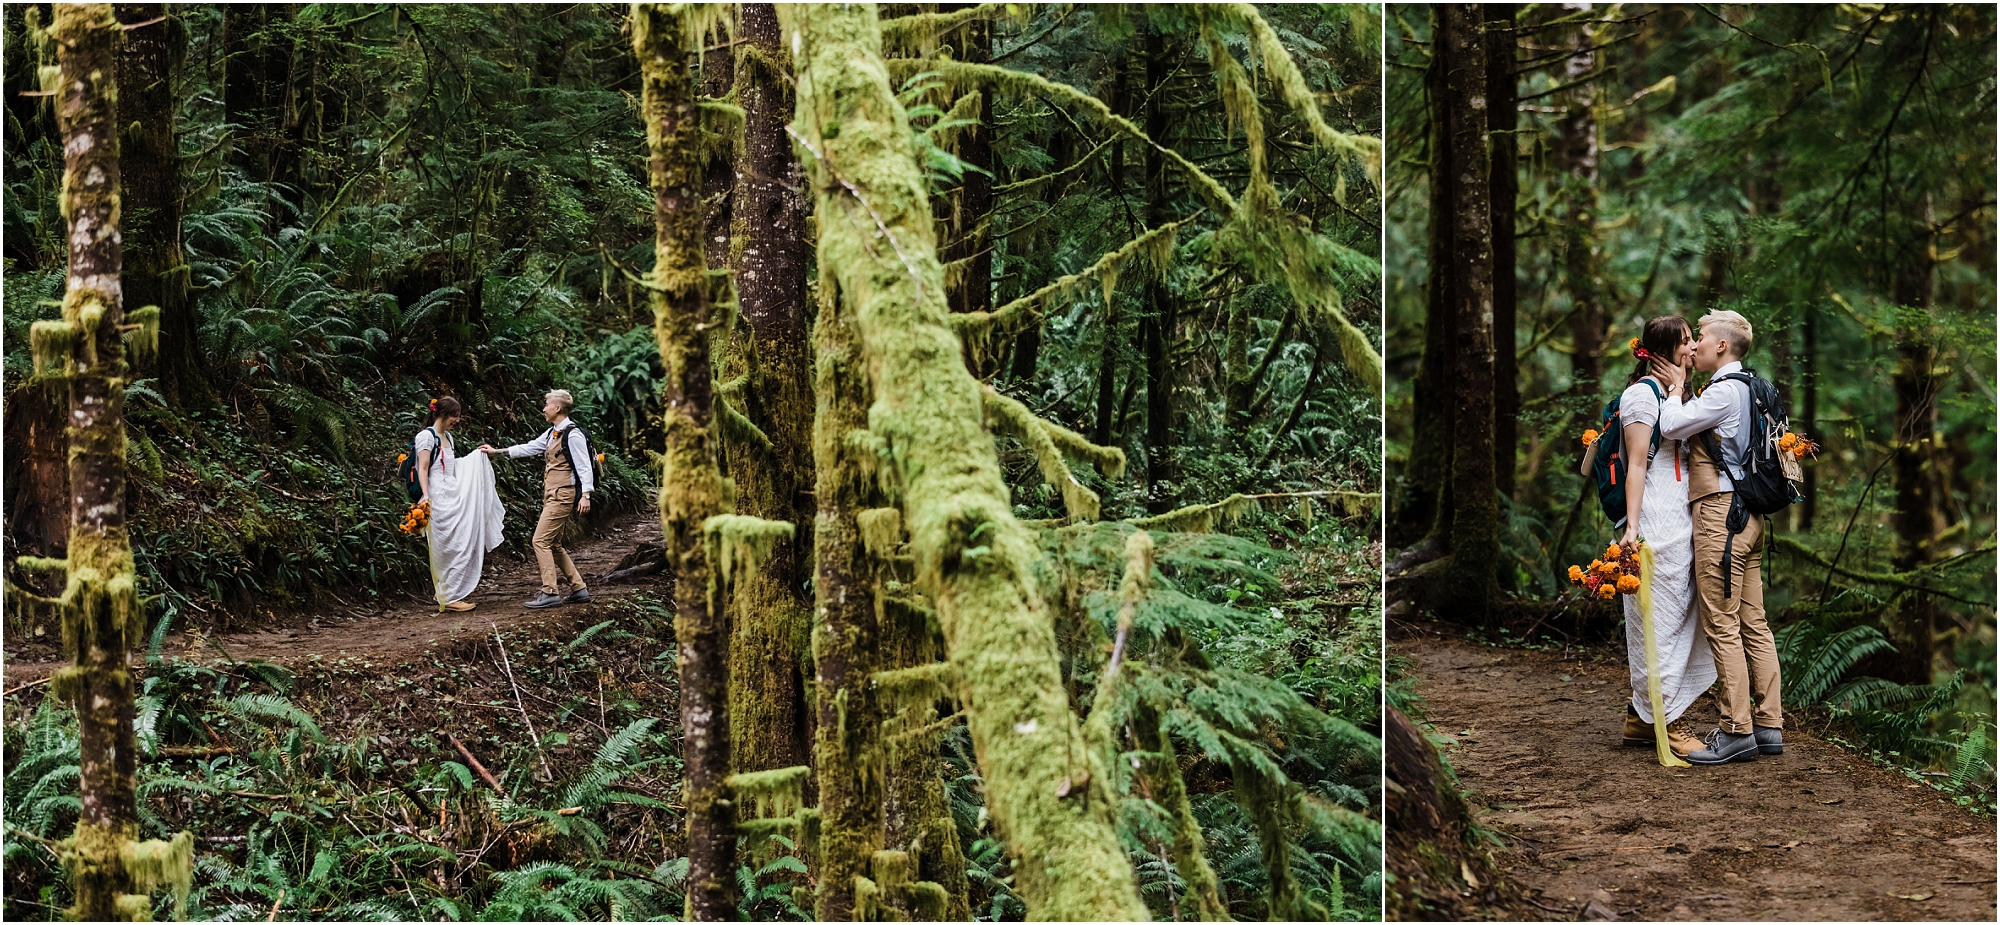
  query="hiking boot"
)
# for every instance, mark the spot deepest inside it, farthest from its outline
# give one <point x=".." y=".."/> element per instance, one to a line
<point x="1724" y="747"/>
<point x="1639" y="734"/>
<point x="578" y="596"/>
<point x="1681" y="738"/>
<point x="458" y="606"/>
<point x="542" y="600"/>
<point x="1770" y="740"/>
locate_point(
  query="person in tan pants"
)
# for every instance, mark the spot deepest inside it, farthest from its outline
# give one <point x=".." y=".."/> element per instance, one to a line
<point x="1746" y="652"/>
<point x="566" y="488"/>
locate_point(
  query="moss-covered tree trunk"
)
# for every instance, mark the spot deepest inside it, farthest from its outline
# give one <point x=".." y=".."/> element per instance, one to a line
<point x="155" y="267"/>
<point x="972" y="557"/>
<point x="1503" y="182"/>
<point x="1429" y="853"/>
<point x="101" y="617"/>
<point x="1474" y="530"/>
<point x="771" y="649"/>
<point x="691" y="489"/>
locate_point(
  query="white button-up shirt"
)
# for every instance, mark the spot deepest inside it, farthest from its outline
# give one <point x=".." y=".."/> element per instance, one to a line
<point x="1719" y="408"/>
<point x="578" y="450"/>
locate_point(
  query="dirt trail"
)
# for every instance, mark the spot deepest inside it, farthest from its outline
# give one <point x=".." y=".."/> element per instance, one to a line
<point x="1815" y="834"/>
<point x="400" y="631"/>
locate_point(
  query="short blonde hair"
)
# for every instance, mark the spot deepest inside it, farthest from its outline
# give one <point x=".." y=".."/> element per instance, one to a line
<point x="562" y="395"/>
<point x="1733" y="328"/>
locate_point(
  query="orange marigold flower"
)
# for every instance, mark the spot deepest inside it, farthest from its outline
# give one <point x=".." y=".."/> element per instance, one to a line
<point x="1788" y="441"/>
<point x="1628" y="584"/>
<point x="1613" y="551"/>
<point x="1634" y="345"/>
<point x="1608" y="568"/>
<point x="1575" y="574"/>
<point x="1607" y="592"/>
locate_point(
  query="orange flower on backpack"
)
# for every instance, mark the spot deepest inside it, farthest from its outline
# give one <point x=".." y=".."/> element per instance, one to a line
<point x="1590" y="437"/>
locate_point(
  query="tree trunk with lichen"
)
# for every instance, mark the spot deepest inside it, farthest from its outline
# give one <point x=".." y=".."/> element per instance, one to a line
<point x="972" y="557"/>
<point x="691" y="486"/>
<point x="771" y="649"/>
<point x="156" y="270"/>
<point x="101" y="615"/>
<point x="1424" y="509"/>
<point x="1913" y="289"/>
<point x="847" y="740"/>
<point x="1473" y="536"/>
<point x="1157" y="329"/>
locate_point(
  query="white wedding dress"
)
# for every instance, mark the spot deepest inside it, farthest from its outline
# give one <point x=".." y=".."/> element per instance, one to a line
<point x="466" y="518"/>
<point x="1687" y="668"/>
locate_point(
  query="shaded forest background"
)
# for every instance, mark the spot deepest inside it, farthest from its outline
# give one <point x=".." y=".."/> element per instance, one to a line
<point x="1826" y="170"/>
<point x="342" y="211"/>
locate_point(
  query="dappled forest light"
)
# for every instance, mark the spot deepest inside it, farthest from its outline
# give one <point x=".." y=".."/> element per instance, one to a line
<point x="988" y="401"/>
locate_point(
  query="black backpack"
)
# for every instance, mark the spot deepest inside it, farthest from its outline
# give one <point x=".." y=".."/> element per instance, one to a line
<point x="1605" y="459"/>
<point x="1771" y="478"/>
<point x="406" y="468"/>
<point x="562" y="440"/>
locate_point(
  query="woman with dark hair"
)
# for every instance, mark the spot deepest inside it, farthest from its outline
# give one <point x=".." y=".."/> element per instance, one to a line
<point x="466" y="514"/>
<point x="1656" y="510"/>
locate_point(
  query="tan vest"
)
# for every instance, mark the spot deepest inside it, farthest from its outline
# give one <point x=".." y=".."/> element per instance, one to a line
<point x="1703" y="477"/>
<point x="556" y="469"/>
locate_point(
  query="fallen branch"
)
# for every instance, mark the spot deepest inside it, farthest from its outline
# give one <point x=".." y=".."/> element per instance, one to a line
<point x="484" y="774"/>
<point x="532" y="735"/>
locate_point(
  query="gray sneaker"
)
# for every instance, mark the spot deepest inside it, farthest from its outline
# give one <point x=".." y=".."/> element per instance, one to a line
<point x="1724" y="747"/>
<point x="543" y="600"/>
<point x="578" y="596"/>
<point x="1770" y="741"/>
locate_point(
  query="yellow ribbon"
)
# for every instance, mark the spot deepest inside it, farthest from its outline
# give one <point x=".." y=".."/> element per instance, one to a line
<point x="1667" y="757"/>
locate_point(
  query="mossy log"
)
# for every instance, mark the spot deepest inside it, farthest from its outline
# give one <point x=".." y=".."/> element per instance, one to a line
<point x="975" y="560"/>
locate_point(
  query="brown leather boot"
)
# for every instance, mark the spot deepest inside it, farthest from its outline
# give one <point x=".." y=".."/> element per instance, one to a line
<point x="1681" y="738"/>
<point x="1638" y="733"/>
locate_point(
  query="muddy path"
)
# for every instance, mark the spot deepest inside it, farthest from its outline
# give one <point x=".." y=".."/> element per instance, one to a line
<point x="401" y="631"/>
<point x="1815" y="834"/>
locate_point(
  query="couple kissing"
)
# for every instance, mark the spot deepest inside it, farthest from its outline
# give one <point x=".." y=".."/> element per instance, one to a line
<point x="1697" y="470"/>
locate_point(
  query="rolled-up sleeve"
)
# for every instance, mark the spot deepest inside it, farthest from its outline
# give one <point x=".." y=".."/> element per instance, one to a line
<point x="1680" y="419"/>
<point x="535" y="447"/>
<point x="579" y="456"/>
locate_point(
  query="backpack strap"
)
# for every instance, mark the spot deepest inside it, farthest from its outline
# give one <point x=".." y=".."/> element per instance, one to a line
<point x="1661" y="398"/>
<point x="562" y="439"/>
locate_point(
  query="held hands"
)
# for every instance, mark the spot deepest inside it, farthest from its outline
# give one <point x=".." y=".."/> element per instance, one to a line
<point x="488" y="449"/>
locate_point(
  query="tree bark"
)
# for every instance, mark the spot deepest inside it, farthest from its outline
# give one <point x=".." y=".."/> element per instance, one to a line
<point x="846" y="634"/>
<point x="972" y="556"/>
<point x="155" y="267"/>
<point x="1425" y="508"/>
<point x="101" y="614"/>
<point x="1916" y="521"/>
<point x="1427" y="823"/>
<point x="1809" y="409"/>
<point x="772" y="646"/>
<point x="1473" y="535"/>
<point x="691" y="490"/>
<point x="1157" y="329"/>
<point x="1576" y="154"/>
<point x="1504" y="183"/>
<point x="973" y="201"/>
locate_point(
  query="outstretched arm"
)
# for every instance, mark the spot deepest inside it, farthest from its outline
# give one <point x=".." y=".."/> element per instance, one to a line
<point x="1681" y="419"/>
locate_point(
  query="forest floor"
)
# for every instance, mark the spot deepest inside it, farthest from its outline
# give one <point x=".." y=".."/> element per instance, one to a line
<point x="1595" y="831"/>
<point x="391" y="634"/>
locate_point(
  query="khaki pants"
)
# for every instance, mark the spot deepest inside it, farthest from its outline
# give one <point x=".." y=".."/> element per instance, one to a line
<point x="558" y="513"/>
<point x="1746" y="654"/>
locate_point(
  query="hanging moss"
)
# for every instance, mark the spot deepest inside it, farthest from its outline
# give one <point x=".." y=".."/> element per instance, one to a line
<point x="1014" y="419"/>
<point x="982" y="331"/>
<point x="770" y="794"/>
<point x="917" y="28"/>
<point x="1200" y="518"/>
<point x="881" y="531"/>
<point x="875" y="234"/>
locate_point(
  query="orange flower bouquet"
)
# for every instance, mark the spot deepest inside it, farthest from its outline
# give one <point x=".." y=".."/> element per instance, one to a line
<point x="418" y="517"/>
<point x="1614" y="574"/>
<point x="1798" y="446"/>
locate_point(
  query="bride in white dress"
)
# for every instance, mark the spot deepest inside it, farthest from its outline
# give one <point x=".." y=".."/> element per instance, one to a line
<point x="466" y="513"/>
<point x="1657" y="511"/>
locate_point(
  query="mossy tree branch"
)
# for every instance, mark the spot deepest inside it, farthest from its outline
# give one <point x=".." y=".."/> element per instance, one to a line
<point x="875" y="232"/>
